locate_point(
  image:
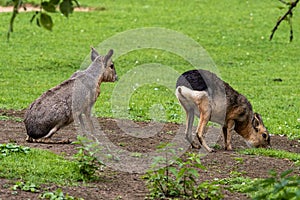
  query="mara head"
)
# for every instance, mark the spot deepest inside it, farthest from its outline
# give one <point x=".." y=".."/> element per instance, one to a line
<point x="260" y="136"/>
<point x="109" y="74"/>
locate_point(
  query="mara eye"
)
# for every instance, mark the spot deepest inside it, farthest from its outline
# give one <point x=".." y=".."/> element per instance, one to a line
<point x="264" y="135"/>
<point x="112" y="66"/>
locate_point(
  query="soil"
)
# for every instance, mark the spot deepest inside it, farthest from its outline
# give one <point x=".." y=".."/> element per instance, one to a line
<point x="115" y="184"/>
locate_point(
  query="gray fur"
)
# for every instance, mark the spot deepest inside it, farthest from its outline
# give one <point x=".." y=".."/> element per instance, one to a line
<point x="59" y="106"/>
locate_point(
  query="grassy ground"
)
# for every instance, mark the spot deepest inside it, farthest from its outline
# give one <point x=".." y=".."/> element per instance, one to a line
<point x="234" y="33"/>
<point x="41" y="167"/>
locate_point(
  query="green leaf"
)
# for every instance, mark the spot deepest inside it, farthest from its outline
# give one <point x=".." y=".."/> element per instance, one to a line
<point x="285" y="173"/>
<point x="15" y="187"/>
<point x="66" y="7"/>
<point x="193" y="172"/>
<point x="200" y="166"/>
<point x="181" y="173"/>
<point x="46" y="21"/>
<point x="54" y="2"/>
<point x="49" y="7"/>
<point x="77" y="3"/>
<point x="273" y="173"/>
<point x="162" y="145"/>
<point x="174" y="171"/>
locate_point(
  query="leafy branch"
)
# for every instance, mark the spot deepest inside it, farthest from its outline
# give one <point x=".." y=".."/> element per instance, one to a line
<point x="42" y="17"/>
<point x="287" y="16"/>
<point x="283" y="186"/>
<point x="172" y="177"/>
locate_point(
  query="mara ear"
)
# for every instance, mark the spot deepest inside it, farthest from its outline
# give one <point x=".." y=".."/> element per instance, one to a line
<point x="108" y="56"/>
<point x="256" y="121"/>
<point x="94" y="54"/>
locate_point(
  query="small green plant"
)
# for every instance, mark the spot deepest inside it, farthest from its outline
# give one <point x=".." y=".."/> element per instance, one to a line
<point x="27" y="186"/>
<point x="179" y="179"/>
<point x="236" y="173"/>
<point x="283" y="186"/>
<point x="6" y="118"/>
<point x="216" y="146"/>
<point x="87" y="162"/>
<point x="58" y="195"/>
<point x="239" y="160"/>
<point x="236" y="183"/>
<point x="136" y="154"/>
<point x="118" y="197"/>
<point x="272" y="153"/>
<point x="170" y="132"/>
<point x="7" y="149"/>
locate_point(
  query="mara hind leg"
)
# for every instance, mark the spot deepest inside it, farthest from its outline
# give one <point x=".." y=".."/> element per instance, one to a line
<point x="204" y="118"/>
<point x="190" y="114"/>
<point x="189" y="126"/>
<point x="205" y="114"/>
<point x="47" y="139"/>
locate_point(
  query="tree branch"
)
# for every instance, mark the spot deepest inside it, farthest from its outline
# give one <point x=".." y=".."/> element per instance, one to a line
<point x="288" y="15"/>
<point x="17" y="5"/>
<point x="43" y="17"/>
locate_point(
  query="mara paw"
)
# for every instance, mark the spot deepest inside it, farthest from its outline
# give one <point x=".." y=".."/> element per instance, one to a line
<point x="195" y="145"/>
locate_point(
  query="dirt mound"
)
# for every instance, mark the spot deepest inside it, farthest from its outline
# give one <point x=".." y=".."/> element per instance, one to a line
<point x="117" y="184"/>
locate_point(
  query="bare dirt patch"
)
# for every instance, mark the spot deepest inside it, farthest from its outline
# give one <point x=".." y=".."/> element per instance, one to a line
<point x="121" y="185"/>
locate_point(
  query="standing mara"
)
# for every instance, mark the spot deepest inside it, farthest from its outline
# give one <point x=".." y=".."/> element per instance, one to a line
<point x="203" y="94"/>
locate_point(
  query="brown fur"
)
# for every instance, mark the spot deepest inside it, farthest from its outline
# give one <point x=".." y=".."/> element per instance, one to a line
<point x="68" y="101"/>
<point x="203" y="94"/>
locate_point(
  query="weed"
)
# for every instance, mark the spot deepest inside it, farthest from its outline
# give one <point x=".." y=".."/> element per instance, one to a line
<point x="136" y="154"/>
<point x="58" y="195"/>
<point x="85" y="157"/>
<point x="297" y="163"/>
<point x="5" y="118"/>
<point x="7" y="149"/>
<point x="275" y="187"/>
<point x="179" y="179"/>
<point x="236" y="173"/>
<point x="283" y="186"/>
<point x="272" y="153"/>
<point x="122" y="144"/>
<point x="216" y="146"/>
<point x="27" y="186"/>
<point x="239" y="160"/>
<point x="236" y="184"/>
<point x="170" y="133"/>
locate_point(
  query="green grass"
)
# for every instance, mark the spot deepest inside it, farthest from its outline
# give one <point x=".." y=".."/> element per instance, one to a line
<point x="5" y="118"/>
<point x="237" y="184"/>
<point x="235" y="33"/>
<point x="40" y="167"/>
<point x="258" y="186"/>
<point x="272" y="153"/>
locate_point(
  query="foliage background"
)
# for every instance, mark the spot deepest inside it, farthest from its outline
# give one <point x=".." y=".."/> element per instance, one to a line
<point x="235" y="33"/>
